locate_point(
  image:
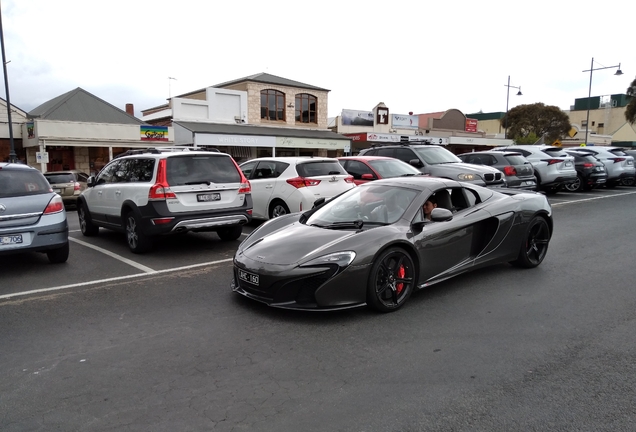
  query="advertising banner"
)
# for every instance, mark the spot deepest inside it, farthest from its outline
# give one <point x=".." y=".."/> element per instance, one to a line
<point x="153" y="133"/>
<point x="471" y="125"/>
<point x="357" y="118"/>
<point x="404" y="121"/>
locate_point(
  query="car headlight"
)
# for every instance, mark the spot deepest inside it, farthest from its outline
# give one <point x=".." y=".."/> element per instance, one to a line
<point x="342" y="259"/>
<point x="466" y="177"/>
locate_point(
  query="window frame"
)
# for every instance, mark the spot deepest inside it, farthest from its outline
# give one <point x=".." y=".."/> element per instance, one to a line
<point x="299" y="111"/>
<point x="279" y="105"/>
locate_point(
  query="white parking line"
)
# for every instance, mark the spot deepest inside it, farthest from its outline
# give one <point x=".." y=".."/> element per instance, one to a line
<point x="593" y="198"/>
<point x="62" y="287"/>
<point x="114" y="255"/>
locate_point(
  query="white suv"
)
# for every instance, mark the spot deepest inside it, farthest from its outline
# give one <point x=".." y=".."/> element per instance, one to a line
<point x="152" y="192"/>
<point x="282" y="185"/>
<point x="553" y="167"/>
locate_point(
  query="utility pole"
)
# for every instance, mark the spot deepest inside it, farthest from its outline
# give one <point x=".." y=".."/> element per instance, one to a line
<point x="13" y="157"/>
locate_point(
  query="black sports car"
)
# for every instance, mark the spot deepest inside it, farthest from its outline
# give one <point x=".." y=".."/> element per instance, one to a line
<point x="372" y="244"/>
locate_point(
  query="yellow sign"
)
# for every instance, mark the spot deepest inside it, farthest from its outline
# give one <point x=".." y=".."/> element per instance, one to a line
<point x="556" y="143"/>
<point x="572" y="132"/>
<point x="582" y="145"/>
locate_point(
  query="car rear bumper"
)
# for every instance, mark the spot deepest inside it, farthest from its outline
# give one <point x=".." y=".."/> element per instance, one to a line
<point x="561" y="180"/>
<point x="40" y="239"/>
<point x="156" y="219"/>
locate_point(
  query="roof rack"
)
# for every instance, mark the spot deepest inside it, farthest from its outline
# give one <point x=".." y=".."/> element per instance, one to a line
<point x="159" y="150"/>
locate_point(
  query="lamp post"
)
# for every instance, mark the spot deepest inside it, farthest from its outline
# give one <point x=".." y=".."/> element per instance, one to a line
<point x="507" y="100"/>
<point x="589" y="94"/>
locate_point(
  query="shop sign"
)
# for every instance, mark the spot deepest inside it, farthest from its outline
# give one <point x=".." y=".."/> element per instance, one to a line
<point x="383" y="137"/>
<point x="314" y="143"/>
<point x="357" y="137"/>
<point x="153" y="133"/>
<point x="471" y="125"/>
<point x="428" y="139"/>
<point x="234" y="140"/>
<point x="383" y="116"/>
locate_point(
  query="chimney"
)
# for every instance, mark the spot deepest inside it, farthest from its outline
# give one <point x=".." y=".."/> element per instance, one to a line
<point x="130" y="109"/>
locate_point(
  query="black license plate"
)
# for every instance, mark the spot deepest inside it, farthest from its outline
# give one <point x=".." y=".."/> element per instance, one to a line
<point x="248" y="277"/>
<point x="11" y="239"/>
<point x="208" y="197"/>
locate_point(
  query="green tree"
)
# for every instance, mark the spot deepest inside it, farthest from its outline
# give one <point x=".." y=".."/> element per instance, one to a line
<point x="542" y="120"/>
<point x="630" y="111"/>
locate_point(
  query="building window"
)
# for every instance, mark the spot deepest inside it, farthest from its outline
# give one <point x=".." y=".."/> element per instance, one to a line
<point x="584" y="123"/>
<point x="273" y="105"/>
<point x="306" y="106"/>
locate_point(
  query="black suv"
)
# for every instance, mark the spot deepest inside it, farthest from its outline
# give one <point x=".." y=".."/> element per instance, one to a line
<point x="590" y="172"/>
<point x="438" y="162"/>
<point x="146" y="193"/>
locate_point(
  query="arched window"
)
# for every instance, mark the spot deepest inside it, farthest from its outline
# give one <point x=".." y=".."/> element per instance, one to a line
<point x="306" y="108"/>
<point x="273" y="105"/>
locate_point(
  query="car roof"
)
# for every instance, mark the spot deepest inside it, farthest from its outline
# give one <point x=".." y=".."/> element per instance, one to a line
<point x="498" y="152"/>
<point x="9" y="165"/>
<point x="366" y="158"/>
<point x="292" y="159"/>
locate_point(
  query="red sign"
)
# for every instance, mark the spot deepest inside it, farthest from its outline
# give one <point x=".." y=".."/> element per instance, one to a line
<point x="357" y="137"/>
<point x="471" y="125"/>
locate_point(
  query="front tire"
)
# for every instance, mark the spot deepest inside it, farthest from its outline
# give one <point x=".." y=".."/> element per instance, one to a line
<point x="138" y="242"/>
<point x="391" y="281"/>
<point x="229" y="234"/>
<point x="58" y="256"/>
<point x="86" y="224"/>
<point x="535" y="244"/>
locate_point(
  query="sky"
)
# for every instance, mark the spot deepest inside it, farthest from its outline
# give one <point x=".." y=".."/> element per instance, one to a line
<point x="413" y="55"/>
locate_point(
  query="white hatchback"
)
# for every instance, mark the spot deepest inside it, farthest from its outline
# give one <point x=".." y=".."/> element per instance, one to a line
<point x="282" y="185"/>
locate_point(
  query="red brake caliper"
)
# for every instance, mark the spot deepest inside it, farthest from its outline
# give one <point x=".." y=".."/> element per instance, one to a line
<point x="400" y="274"/>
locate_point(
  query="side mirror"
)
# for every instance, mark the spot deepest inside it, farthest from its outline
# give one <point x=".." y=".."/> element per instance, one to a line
<point x="367" y="177"/>
<point x="441" y="215"/>
<point x="90" y="182"/>
<point x="416" y="163"/>
<point x="319" y="202"/>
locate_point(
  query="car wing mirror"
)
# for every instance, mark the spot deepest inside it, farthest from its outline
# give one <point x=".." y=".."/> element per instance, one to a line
<point x="319" y="202"/>
<point x="90" y="181"/>
<point x="441" y="215"/>
<point x="367" y="177"/>
<point x="416" y="163"/>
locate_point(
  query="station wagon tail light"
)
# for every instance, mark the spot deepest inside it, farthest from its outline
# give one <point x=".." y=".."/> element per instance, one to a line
<point x="617" y="159"/>
<point x="510" y="171"/>
<point x="245" y="186"/>
<point x="76" y="186"/>
<point x="56" y="205"/>
<point x="552" y="161"/>
<point x="588" y="165"/>
<point x="161" y="189"/>
<point x="348" y="179"/>
<point x="300" y="182"/>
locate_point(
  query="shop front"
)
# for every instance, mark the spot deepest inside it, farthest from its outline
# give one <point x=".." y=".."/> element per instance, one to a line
<point x="363" y="140"/>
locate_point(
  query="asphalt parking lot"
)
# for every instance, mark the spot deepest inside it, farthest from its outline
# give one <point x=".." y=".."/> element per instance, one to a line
<point x="106" y="257"/>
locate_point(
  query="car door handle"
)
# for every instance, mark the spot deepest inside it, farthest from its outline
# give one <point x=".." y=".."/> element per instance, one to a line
<point x="99" y="192"/>
<point x="118" y="192"/>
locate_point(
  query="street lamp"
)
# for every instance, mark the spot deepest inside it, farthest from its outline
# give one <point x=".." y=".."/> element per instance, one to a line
<point x="13" y="157"/>
<point x="589" y="95"/>
<point x="507" y="100"/>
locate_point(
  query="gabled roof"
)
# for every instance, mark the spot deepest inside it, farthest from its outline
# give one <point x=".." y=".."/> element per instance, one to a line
<point x="81" y="106"/>
<point x="14" y="108"/>
<point x="266" y="78"/>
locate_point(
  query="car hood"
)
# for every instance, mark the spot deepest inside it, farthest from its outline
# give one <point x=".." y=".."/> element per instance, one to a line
<point x="293" y="243"/>
<point x="472" y="168"/>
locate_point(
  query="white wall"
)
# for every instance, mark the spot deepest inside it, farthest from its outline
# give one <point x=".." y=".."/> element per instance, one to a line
<point x="220" y="106"/>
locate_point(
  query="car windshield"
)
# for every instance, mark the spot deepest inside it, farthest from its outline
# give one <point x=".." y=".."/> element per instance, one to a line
<point x="393" y="168"/>
<point x="60" y="178"/>
<point x="22" y="182"/>
<point x="436" y="155"/>
<point x="372" y="204"/>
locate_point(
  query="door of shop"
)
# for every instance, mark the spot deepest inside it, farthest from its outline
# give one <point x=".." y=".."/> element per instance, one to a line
<point x="60" y="159"/>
